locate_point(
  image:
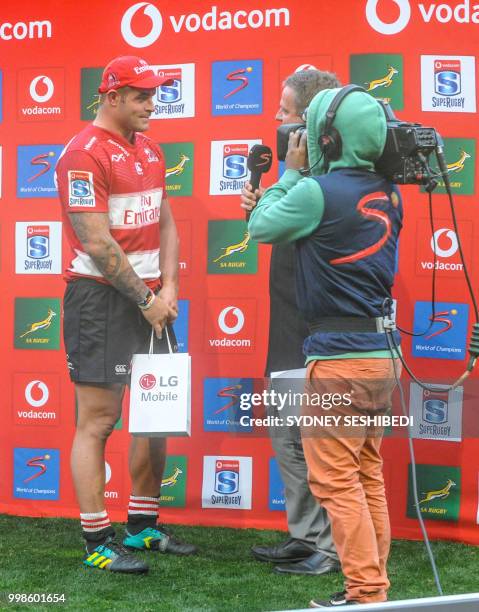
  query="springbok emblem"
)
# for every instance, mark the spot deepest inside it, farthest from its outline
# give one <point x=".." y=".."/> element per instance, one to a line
<point x="179" y="168"/>
<point x="458" y="165"/>
<point x="45" y="324"/>
<point x="439" y="494"/>
<point x="240" y="247"/>
<point x="94" y="106"/>
<point x="385" y="81"/>
<point x="171" y="480"/>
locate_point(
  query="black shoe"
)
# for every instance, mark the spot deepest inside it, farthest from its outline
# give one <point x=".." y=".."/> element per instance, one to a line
<point x="337" y="599"/>
<point x="157" y="539"/>
<point x="315" y="565"/>
<point x="114" y="557"/>
<point x="287" y="552"/>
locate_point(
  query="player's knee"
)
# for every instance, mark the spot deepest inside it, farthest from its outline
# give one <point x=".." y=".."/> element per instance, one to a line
<point x="99" y="426"/>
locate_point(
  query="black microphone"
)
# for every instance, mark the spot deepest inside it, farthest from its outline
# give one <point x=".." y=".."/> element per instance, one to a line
<point x="259" y="161"/>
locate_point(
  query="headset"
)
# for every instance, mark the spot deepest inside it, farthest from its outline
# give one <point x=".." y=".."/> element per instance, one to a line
<point x="330" y="141"/>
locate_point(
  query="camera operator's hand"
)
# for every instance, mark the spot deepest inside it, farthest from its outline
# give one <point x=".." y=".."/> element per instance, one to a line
<point x="297" y="155"/>
<point x="248" y="198"/>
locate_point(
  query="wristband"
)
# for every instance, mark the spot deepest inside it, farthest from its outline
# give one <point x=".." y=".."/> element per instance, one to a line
<point x="147" y="302"/>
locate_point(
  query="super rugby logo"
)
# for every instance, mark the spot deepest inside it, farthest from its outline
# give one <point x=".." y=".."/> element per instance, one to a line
<point x="193" y="22"/>
<point x="443" y="13"/>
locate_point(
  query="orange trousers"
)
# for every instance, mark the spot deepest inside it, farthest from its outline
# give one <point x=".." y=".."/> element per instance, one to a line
<point x="345" y="470"/>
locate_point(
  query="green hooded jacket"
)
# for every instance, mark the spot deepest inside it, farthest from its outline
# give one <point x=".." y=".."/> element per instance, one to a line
<point x="293" y="207"/>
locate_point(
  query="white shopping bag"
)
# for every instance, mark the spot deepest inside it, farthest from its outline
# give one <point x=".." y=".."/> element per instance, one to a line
<point x="160" y="400"/>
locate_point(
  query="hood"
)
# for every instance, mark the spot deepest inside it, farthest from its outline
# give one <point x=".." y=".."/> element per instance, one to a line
<point x="361" y="122"/>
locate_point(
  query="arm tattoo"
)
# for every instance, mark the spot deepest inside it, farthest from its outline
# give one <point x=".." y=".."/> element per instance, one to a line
<point x="110" y="259"/>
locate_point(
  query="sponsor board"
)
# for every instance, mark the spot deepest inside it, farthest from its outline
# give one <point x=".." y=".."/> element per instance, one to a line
<point x="444" y="334"/>
<point x="179" y="161"/>
<point x="185" y="257"/>
<point x="37" y="323"/>
<point x="41" y="94"/>
<point x="35" y="170"/>
<point x="230" y="248"/>
<point x="438" y="491"/>
<point x="448" y="83"/>
<point x="36" y="473"/>
<point x="36" y="399"/>
<point x="230" y="325"/>
<point x="277" y="500"/>
<point x="436" y="416"/>
<point x="173" y="485"/>
<point x="227" y="482"/>
<point x="176" y="99"/>
<point x="444" y="242"/>
<point x="221" y="404"/>
<point x="181" y="325"/>
<point x="228" y="169"/>
<point x="237" y="87"/>
<point x="460" y="154"/>
<point x="38" y="247"/>
<point x="114" y="480"/>
<point x="90" y="80"/>
<point x="477" y="516"/>
<point x="381" y="75"/>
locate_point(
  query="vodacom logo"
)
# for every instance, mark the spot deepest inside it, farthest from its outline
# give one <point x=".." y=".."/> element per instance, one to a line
<point x="231" y="329"/>
<point x="156" y="25"/>
<point x="41" y="393"/>
<point x="209" y="20"/>
<point x="452" y="239"/>
<point x="463" y="12"/>
<point x="388" y="28"/>
<point x="46" y="83"/>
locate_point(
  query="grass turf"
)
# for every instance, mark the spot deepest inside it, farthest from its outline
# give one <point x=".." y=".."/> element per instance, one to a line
<point x="44" y="556"/>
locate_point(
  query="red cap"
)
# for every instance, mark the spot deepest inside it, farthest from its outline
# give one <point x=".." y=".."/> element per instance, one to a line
<point x="132" y="71"/>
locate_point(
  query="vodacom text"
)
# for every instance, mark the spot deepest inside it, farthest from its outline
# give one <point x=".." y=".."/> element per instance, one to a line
<point x="21" y="30"/>
<point x="212" y="19"/>
<point x="460" y="12"/>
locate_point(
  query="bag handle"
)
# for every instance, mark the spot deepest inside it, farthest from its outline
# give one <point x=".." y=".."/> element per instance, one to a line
<point x="165" y="329"/>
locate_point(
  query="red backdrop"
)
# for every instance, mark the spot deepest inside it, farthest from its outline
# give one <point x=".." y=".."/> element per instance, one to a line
<point x="229" y="60"/>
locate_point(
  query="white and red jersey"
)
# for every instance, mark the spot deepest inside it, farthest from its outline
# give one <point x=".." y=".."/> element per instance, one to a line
<point x="101" y="172"/>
